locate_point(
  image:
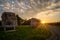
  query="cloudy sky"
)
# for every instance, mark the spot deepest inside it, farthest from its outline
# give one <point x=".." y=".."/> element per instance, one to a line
<point x="46" y="10"/>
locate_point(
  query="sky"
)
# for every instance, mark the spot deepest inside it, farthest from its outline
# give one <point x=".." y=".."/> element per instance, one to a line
<point x="45" y="10"/>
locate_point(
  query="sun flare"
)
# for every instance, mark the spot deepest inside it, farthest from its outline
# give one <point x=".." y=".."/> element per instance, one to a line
<point x="43" y="22"/>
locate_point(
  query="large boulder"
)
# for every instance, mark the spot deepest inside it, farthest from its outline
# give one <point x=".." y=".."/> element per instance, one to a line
<point x="34" y="22"/>
<point x="9" y="18"/>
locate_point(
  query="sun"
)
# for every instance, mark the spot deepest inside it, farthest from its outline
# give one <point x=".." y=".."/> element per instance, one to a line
<point x="43" y="22"/>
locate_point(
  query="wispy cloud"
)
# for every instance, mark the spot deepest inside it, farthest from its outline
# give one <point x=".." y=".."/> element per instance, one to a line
<point x="31" y="8"/>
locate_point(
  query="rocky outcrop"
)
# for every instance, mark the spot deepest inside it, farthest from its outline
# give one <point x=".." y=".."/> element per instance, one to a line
<point x="9" y="18"/>
<point x="34" y="22"/>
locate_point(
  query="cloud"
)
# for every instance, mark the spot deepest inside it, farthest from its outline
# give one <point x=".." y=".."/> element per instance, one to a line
<point x="54" y="6"/>
<point x="31" y="8"/>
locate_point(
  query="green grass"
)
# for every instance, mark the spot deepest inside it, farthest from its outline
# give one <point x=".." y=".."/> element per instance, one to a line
<point x="26" y="33"/>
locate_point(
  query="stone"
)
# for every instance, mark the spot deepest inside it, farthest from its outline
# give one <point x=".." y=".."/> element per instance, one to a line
<point x="34" y="22"/>
<point x="9" y="19"/>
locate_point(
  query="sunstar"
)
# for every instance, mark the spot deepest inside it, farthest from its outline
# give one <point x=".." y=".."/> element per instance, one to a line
<point x="43" y="22"/>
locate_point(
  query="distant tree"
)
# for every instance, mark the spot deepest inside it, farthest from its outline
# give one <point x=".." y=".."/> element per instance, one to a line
<point x="19" y="20"/>
<point x="26" y="22"/>
<point x="0" y="23"/>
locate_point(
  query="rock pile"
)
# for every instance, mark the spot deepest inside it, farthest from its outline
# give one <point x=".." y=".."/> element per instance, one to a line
<point x="9" y="19"/>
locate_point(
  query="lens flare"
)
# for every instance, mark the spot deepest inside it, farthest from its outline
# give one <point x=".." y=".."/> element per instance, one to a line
<point x="43" y="22"/>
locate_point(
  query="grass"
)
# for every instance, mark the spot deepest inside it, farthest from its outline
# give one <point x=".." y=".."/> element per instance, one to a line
<point x="25" y="32"/>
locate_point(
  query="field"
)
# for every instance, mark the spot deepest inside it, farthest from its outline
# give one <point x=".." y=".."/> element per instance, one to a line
<point x="25" y="32"/>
